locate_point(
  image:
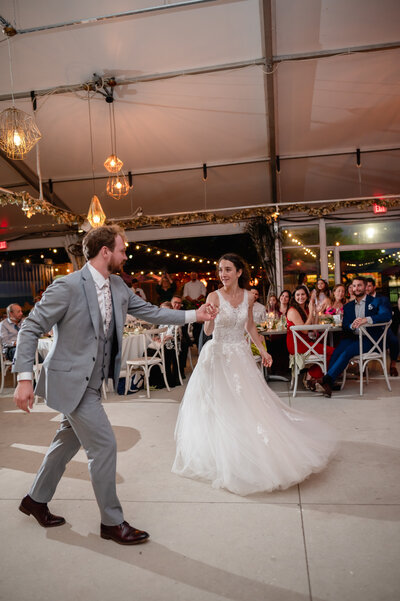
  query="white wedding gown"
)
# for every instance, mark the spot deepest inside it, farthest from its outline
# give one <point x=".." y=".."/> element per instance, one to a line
<point x="233" y="430"/>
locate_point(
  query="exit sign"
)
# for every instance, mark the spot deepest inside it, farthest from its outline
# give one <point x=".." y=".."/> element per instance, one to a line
<point x="3" y="245"/>
<point x="379" y="208"/>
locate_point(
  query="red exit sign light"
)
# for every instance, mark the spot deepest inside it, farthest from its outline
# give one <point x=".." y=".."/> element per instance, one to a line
<point x="379" y="208"/>
<point x="3" y="245"/>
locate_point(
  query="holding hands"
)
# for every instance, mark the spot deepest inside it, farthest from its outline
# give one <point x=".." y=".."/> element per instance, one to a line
<point x="206" y="312"/>
<point x="266" y="358"/>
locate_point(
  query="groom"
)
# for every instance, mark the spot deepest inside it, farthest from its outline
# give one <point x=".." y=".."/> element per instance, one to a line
<point x="87" y="311"/>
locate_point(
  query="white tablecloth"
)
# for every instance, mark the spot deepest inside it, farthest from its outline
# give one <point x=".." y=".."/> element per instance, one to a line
<point x="132" y="347"/>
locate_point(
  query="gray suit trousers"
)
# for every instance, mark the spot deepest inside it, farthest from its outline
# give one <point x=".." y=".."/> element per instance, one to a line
<point x="86" y="426"/>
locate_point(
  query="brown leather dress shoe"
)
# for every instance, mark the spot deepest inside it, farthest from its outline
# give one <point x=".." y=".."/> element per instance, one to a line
<point x="124" y="534"/>
<point x="326" y="386"/>
<point x="393" y="371"/>
<point x="41" y="512"/>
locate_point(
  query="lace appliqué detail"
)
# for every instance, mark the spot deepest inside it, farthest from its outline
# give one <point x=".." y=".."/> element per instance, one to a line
<point x="263" y="433"/>
<point x="237" y="384"/>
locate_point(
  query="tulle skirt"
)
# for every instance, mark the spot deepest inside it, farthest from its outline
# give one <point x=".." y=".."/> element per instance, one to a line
<point x="234" y="431"/>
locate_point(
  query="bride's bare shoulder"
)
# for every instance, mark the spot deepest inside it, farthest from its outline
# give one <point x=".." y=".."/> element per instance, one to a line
<point x="213" y="298"/>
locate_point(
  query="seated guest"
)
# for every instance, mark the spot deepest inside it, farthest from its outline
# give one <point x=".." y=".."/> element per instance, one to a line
<point x="337" y="301"/>
<point x="185" y="341"/>
<point x="171" y="364"/>
<point x="301" y="312"/>
<point x="137" y="290"/>
<point x="392" y="341"/>
<point x="284" y="299"/>
<point x="9" y="329"/>
<point x="166" y="288"/>
<point x="273" y="305"/>
<point x="259" y="312"/>
<point x="320" y="296"/>
<point x="350" y="294"/>
<point x="194" y="292"/>
<point x="365" y="309"/>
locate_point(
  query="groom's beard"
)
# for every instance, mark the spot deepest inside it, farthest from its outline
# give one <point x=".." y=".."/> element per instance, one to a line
<point x="115" y="267"/>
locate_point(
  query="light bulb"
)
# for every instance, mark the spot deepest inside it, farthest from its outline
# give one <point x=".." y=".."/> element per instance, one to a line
<point x="17" y="139"/>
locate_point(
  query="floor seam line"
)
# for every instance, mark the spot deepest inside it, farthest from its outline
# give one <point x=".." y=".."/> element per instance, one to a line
<point x="305" y="544"/>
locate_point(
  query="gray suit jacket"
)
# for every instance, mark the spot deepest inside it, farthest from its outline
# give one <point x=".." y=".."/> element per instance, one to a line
<point x="70" y="307"/>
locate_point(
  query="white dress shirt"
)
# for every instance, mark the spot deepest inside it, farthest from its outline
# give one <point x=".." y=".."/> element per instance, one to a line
<point x="194" y="289"/>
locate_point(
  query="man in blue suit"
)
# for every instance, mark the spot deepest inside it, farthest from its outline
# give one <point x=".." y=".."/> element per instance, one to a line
<point x="365" y="309"/>
<point x="392" y="342"/>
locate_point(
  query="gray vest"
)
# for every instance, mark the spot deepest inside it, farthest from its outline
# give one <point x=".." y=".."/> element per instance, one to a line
<point x="102" y="360"/>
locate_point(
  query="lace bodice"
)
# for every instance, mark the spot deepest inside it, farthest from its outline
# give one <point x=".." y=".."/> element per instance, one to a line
<point x="230" y="322"/>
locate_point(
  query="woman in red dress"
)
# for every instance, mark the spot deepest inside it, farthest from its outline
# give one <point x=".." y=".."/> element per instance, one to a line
<point x="298" y="315"/>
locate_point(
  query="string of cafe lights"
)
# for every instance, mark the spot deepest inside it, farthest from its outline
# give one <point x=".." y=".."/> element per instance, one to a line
<point x="169" y="254"/>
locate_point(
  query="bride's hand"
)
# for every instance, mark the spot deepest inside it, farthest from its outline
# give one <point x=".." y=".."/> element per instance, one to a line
<point x="206" y="312"/>
<point x="266" y="359"/>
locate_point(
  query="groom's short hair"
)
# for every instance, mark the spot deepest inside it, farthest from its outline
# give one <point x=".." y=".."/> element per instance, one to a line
<point x="94" y="240"/>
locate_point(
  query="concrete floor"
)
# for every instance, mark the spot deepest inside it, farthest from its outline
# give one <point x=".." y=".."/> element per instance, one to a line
<point x="335" y="537"/>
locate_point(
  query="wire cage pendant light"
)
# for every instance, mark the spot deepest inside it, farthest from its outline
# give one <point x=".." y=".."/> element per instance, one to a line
<point x="117" y="186"/>
<point x="113" y="164"/>
<point x="18" y="133"/>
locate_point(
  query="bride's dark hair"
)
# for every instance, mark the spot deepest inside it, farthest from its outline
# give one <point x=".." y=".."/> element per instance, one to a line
<point x="239" y="263"/>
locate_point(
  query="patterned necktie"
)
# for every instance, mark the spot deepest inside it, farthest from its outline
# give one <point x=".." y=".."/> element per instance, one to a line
<point x="107" y="306"/>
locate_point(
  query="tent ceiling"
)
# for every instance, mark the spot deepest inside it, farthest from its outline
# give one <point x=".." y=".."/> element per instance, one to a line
<point x="167" y="128"/>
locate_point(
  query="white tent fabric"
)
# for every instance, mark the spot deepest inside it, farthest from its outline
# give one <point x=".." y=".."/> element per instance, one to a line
<point x="167" y="128"/>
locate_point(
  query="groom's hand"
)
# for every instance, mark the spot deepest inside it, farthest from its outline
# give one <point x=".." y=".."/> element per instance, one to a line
<point x="206" y="312"/>
<point x="23" y="395"/>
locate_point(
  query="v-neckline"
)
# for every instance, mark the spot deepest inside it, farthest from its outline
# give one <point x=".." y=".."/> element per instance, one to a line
<point x="229" y="303"/>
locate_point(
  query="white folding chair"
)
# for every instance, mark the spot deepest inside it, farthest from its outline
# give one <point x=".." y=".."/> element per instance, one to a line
<point x="377" y="352"/>
<point x="311" y="356"/>
<point x="37" y="368"/>
<point x="5" y="365"/>
<point x="146" y="363"/>
<point x="257" y="358"/>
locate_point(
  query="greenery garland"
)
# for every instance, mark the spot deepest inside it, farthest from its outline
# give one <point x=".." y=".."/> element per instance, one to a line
<point x="32" y="205"/>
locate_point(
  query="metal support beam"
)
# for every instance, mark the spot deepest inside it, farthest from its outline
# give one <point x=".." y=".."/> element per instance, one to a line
<point x="266" y="23"/>
<point x="91" y="85"/>
<point x="32" y="179"/>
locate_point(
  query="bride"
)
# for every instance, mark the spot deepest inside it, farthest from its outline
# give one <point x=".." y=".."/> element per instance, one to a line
<point x="232" y="429"/>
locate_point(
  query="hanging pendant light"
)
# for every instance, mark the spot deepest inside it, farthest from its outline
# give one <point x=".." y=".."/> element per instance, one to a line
<point x="113" y="164"/>
<point x="96" y="215"/>
<point x="18" y="130"/>
<point x="117" y="186"/>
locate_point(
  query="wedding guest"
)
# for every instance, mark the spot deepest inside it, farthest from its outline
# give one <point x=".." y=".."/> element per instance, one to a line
<point x="302" y="312"/>
<point x="137" y="290"/>
<point x="177" y="305"/>
<point x="171" y="364"/>
<point x="194" y="292"/>
<point x="365" y="309"/>
<point x="350" y="294"/>
<point x="166" y="288"/>
<point x="9" y="329"/>
<point x="259" y="312"/>
<point x="284" y="299"/>
<point x="320" y="295"/>
<point x="273" y="305"/>
<point x="392" y="341"/>
<point x="337" y="301"/>
<point x="302" y="281"/>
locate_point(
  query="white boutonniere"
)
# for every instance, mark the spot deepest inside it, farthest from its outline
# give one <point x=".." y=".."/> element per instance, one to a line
<point x="370" y="307"/>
